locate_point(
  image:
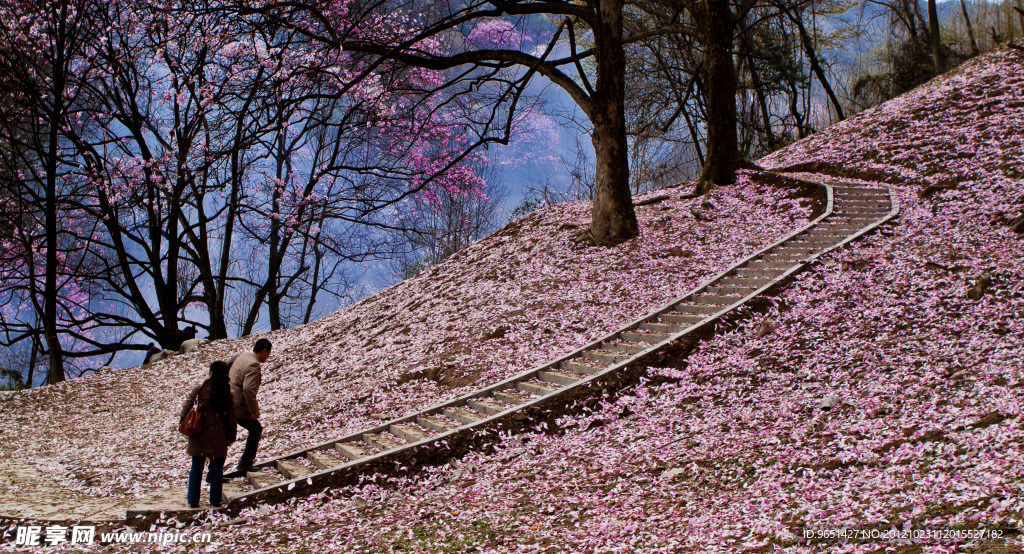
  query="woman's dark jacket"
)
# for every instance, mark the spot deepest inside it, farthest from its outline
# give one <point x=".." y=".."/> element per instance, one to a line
<point x="218" y="429"/>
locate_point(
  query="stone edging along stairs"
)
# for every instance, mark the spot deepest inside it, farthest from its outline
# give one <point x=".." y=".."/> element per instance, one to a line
<point x="850" y="212"/>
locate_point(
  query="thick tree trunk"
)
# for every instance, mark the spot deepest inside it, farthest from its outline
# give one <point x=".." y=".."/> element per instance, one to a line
<point x="717" y="29"/>
<point x="218" y="327"/>
<point x="613" y="219"/>
<point x="934" y="33"/>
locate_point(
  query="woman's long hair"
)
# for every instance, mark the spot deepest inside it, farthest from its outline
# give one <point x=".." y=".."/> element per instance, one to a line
<point x="220" y="394"/>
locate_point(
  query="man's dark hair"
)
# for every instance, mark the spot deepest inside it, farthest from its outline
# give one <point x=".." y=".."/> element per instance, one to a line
<point x="261" y="345"/>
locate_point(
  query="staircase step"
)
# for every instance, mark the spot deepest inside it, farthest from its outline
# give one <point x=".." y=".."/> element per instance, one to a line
<point x="720" y="300"/>
<point x="514" y="396"/>
<point x="687" y="308"/>
<point x="854" y="211"/>
<point x="441" y="425"/>
<point x="862" y="197"/>
<point x="816" y="246"/>
<point x="488" y="406"/>
<point x="855" y="218"/>
<point x="383" y="441"/>
<point x="776" y="261"/>
<point x="292" y="469"/>
<point x="324" y="459"/>
<point x="464" y="415"/>
<point x="839" y="226"/>
<point x="793" y="250"/>
<point x="261" y="479"/>
<point x="580" y="365"/>
<point x="860" y="221"/>
<point x="842" y="209"/>
<point x="845" y="209"/>
<point x="623" y="346"/>
<point x="826" y="234"/>
<point x="558" y="376"/>
<point x="743" y="282"/>
<point x="684" y="319"/>
<point x="605" y="357"/>
<point x="537" y="387"/>
<point x="782" y="258"/>
<point x="663" y="328"/>
<point x="353" y="451"/>
<point x="844" y="189"/>
<point x="816" y="241"/>
<point x="884" y="204"/>
<point x="726" y="290"/>
<point x="847" y="201"/>
<point x="877" y="193"/>
<point x="754" y="272"/>
<point x="770" y="264"/>
<point x="639" y="336"/>
<point x="408" y="432"/>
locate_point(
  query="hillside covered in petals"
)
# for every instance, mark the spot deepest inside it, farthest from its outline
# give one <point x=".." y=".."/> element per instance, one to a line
<point x="514" y="300"/>
<point x="917" y="330"/>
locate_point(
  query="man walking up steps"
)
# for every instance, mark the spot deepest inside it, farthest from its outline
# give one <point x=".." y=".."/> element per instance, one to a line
<point x="245" y="379"/>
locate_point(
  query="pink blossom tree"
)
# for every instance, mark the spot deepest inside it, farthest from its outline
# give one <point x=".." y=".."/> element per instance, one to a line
<point x="153" y="144"/>
<point x="44" y="63"/>
<point x="493" y="50"/>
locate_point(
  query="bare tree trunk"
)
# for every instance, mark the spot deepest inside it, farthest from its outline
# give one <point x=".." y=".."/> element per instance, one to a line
<point x="717" y="28"/>
<point x="315" y="287"/>
<point x="613" y="219"/>
<point x="794" y="109"/>
<point x="274" y="292"/>
<point x="219" y="331"/>
<point x="812" y="59"/>
<point x="1019" y="8"/>
<point x="694" y="137"/>
<point x="33" y="360"/>
<point x="50" y="288"/>
<point x="970" y="29"/>
<point x="762" y="102"/>
<point x="934" y="34"/>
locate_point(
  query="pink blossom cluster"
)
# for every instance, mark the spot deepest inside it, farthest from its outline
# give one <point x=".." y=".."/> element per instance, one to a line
<point x="498" y="33"/>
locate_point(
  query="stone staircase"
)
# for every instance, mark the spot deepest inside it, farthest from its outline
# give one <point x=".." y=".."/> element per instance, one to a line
<point x="850" y="212"/>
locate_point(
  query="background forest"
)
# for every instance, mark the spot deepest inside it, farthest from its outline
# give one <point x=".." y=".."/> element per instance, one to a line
<point x="242" y="168"/>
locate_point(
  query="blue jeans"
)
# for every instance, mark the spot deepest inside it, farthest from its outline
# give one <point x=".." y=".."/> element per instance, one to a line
<point x="195" y="480"/>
